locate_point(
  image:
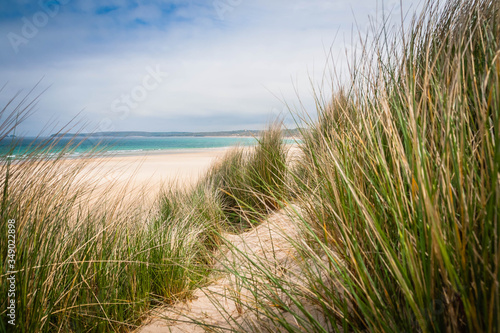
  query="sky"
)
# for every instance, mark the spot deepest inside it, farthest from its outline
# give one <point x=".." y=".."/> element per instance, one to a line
<point x="172" y="65"/>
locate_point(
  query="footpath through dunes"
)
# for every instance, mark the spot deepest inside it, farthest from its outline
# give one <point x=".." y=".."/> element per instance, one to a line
<point x="232" y="299"/>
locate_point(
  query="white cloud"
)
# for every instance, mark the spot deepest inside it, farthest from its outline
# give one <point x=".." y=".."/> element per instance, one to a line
<point x="228" y="68"/>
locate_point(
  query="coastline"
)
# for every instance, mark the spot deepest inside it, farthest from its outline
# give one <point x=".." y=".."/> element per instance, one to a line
<point x="135" y="149"/>
<point x="158" y="152"/>
<point x="150" y="171"/>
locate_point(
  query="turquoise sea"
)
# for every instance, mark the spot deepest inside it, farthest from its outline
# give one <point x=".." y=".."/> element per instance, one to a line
<point x="19" y="147"/>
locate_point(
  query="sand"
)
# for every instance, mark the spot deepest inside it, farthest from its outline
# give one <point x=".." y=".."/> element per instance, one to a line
<point x="227" y="304"/>
<point x="185" y="166"/>
<point x="221" y="303"/>
<point x="150" y="171"/>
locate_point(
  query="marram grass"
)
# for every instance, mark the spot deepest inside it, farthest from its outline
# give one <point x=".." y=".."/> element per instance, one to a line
<point x="395" y="193"/>
<point x="399" y="186"/>
<point x="84" y="265"/>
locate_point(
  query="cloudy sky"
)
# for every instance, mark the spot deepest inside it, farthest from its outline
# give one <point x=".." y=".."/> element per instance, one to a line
<point x="172" y="65"/>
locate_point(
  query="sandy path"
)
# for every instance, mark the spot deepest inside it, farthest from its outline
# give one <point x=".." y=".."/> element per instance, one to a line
<point x="204" y="310"/>
<point x="226" y="304"/>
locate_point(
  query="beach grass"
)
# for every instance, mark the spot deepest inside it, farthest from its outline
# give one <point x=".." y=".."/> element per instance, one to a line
<point x="399" y="189"/>
<point x="393" y="203"/>
<point x="250" y="182"/>
<point x="90" y="265"/>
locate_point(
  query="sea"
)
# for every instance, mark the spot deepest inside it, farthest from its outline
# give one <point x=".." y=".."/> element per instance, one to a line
<point x="17" y="148"/>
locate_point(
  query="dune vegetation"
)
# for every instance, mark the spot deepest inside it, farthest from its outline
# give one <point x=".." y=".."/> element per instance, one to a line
<point x="394" y="194"/>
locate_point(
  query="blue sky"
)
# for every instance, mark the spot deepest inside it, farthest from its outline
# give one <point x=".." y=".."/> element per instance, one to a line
<point x="173" y="65"/>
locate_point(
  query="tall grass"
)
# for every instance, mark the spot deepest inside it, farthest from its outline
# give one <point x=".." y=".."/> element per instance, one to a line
<point x="100" y="265"/>
<point x="399" y="187"/>
<point x="251" y="182"/>
<point x="84" y="264"/>
<point x="396" y="197"/>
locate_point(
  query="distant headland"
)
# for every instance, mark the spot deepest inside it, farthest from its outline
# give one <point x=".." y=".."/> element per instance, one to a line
<point x="240" y="133"/>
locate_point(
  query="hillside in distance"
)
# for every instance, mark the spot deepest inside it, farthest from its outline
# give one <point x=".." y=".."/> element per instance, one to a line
<point x="240" y="133"/>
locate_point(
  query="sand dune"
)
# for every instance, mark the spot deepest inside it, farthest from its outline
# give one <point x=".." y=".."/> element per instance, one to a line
<point x="225" y="304"/>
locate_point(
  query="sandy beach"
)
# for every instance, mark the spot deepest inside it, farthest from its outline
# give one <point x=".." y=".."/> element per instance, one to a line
<point x="147" y="173"/>
<point x="183" y="165"/>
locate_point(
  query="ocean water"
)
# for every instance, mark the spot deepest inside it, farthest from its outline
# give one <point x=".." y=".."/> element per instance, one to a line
<point x="19" y="147"/>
